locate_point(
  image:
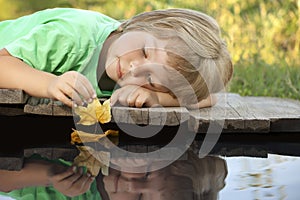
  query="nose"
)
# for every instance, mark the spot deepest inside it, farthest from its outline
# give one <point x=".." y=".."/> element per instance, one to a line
<point x="134" y="69"/>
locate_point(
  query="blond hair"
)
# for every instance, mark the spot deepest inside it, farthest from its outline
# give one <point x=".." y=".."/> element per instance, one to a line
<point x="195" y="49"/>
<point x="207" y="174"/>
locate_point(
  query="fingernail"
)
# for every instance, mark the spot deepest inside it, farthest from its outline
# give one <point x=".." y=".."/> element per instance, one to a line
<point x="111" y="102"/>
<point x="74" y="169"/>
<point x="90" y="100"/>
<point x="94" y="96"/>
<point x="81" y="170"/>
<point x="88" y="174"/>
<point x="75" y="105"/>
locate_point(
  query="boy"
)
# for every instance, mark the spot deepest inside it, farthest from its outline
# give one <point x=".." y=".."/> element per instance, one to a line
<point x="158" y="57"/>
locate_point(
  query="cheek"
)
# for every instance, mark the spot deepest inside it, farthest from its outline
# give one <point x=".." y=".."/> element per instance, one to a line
<point x="129" y="80"/>
<point x="111" y="70"/>
<point x="110" y="183"/>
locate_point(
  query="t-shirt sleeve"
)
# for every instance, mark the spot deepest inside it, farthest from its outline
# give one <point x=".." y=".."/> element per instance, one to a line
<point x="48" y="48"/>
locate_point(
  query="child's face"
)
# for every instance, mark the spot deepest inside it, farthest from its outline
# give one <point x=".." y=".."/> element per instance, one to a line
<point x="160" y="184"/>
<point x="138" y="58"/>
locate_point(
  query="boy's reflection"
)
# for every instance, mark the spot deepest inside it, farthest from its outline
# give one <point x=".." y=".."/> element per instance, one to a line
<point x="185" y="179"/>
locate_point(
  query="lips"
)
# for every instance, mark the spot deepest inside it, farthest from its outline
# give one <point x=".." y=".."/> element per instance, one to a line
<point x="119" y="72"/>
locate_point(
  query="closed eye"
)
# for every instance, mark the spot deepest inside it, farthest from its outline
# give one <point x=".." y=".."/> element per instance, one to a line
<point x="149" y="79"/>
<point x="144" y="52"/>
<point x="140" y="196"/>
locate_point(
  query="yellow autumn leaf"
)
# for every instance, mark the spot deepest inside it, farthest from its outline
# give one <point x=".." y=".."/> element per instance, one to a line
<point x="93" y="160"/>
<point x="78" y="137"/>
<point x="104" y="113"/>
<point x="94" y="112"/>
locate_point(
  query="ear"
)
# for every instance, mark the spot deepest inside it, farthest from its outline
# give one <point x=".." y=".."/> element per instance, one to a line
<point x="210" y="101"/>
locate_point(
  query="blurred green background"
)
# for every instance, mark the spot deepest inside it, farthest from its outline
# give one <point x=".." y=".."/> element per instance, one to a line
<point x="263" y="36"/>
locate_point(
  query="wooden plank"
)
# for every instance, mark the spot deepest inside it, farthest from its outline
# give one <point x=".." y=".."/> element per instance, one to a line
<point x="240" y="114"/>
<point x="61" y="110"/>
<point x="275" y="108"/>
<point x="53" y="153"/>
<point x="250" y="114"/>
<point x="130" y="115"/>
<point x="12" y="96"/>
<point x="11" y="111"/>
<point x="50" y="107"/>
<point x="170" y="116"/>
<point x="40" y="109"/>
<point x="284" y="114"/>
<point x="252" y="118"/>
<point x="11" y="163"/>
<point x="221" y="113"/>
<point x="230" y="149"/>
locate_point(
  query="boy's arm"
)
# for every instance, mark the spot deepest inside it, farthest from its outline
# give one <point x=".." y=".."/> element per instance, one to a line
<point x="167" y="100"/>
<point x="33" y="174"/>
<point x="16" y="74"/>
<point x="70" y="181"/>
<point x="136" y="96"/>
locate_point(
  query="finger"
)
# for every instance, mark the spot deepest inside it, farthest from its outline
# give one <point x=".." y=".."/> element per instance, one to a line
<point x="88" y="87"/>
<point x="87" y="181"/>
<point x="123" y="96"/>
<point x="82" y="90"/>
<point x="68" y="90"/>
<point x="114" y="97"/>
<point x="65" y="174"/>
<point x="76" y="98"/>
<point x="64" y="99"/>
<point x="72" y="92"/>
<point x="75" y="86"/>
<point x="71" y="180"/>
<point x="132" y="98"/>
<point x="140" y="101"/>
<point x="57" y="169"/>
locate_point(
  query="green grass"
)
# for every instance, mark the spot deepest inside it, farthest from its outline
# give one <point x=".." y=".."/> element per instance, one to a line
<point x="261" y="79"/>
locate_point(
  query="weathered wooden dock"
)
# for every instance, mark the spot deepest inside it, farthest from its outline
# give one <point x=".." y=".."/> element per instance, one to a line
<point x="250" y="126"/>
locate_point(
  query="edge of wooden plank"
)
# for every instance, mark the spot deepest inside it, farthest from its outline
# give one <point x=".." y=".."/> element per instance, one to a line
<point x="40" y="109"/>
<point x="13" y="96"/>
<point x="170" y="116"/>
<point x="11" y="163"/>
<point x="53" y="153"/>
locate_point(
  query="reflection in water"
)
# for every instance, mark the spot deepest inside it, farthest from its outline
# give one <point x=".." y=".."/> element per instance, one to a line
<point x="188" y="178"/>
<point x="192" y="178"/>
<point x="275" y="177"/>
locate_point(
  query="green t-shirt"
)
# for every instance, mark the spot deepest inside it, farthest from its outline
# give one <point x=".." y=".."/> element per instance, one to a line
<point x="59" y="40"/>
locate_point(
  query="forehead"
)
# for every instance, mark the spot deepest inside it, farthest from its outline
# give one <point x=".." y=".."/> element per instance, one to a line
<point x="139" y="36"/>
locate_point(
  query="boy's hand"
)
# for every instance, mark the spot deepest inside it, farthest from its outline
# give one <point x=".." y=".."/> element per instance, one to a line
<point x="71" y="87"/>
<point x="135" y="96"/>
<point x="72" y="182"/>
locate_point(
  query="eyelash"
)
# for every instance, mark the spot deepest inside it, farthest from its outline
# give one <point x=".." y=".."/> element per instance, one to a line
<point x="149" y="79"/>
<point x="140" y="197"/>
<point x="144" y="52"/>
